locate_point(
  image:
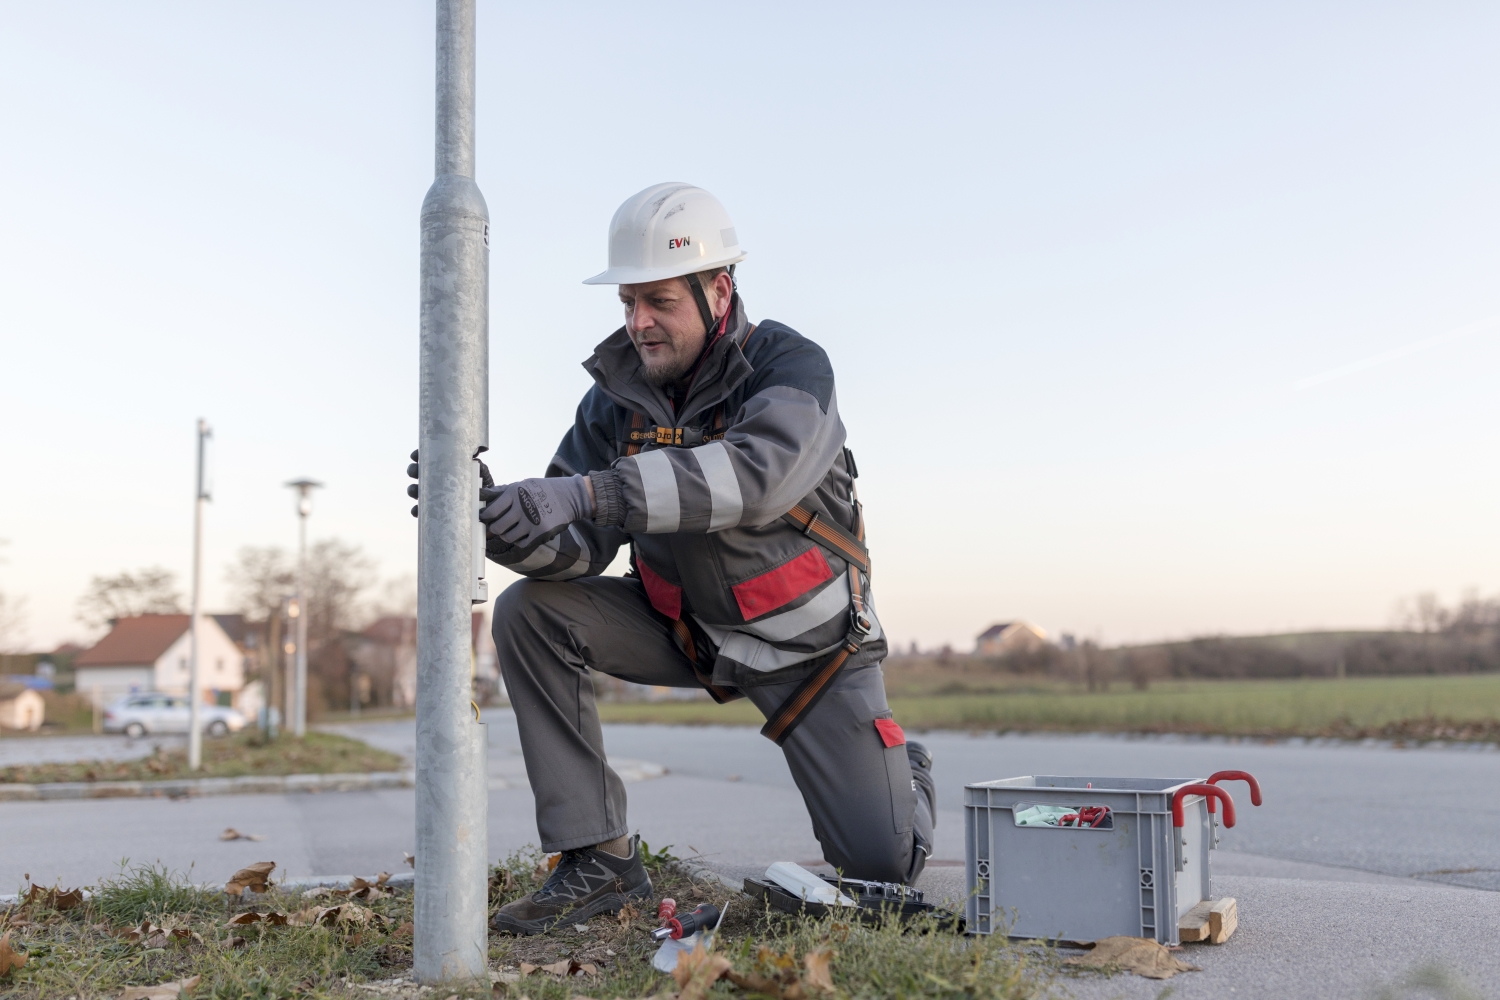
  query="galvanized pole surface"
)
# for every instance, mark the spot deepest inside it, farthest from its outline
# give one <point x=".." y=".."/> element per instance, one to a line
<point x="298" y="696"/>
<point x="299" y="726"/>
<point x="451" y="940"/>
<point x="195" y="683"/>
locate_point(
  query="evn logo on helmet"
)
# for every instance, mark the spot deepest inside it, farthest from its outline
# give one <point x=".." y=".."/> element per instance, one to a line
<point x="678" y="242"/>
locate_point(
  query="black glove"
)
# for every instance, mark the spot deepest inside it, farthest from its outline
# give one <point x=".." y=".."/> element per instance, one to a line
<point x="485" y="479"/>
<point x="533" y="509"/>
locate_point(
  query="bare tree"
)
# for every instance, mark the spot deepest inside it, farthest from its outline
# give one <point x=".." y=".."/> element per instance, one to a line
<point x="1426" y="613"/>
<point x="12" y="623"/>
<point x="1145" y="664"/>
<point x="148" y="591"/>
<point x="398" y="597"/>
<point x="12" y="616"/>
<point x="338" y="574"/>
<point x="1474" y="614"/>
<point x="1098" y="665"/>
<point x="259" y="579"/>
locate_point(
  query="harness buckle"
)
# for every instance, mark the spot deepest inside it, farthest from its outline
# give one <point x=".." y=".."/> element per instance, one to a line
<point x="859" y="622"/>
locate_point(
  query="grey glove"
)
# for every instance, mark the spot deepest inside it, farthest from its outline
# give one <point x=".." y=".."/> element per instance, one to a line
<point x="413" y="470"/>
<point x="534" y="509"/>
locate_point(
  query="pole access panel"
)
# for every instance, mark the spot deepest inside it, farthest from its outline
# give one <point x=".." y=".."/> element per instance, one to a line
<point x="451" y="936"/>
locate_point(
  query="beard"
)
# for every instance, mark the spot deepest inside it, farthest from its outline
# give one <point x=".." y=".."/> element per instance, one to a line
<point x="666" y="371"/>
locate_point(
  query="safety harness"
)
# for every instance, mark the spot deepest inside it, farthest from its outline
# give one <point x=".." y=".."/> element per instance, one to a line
<point x="851" y="547"/>
<point x="846" y="545"/>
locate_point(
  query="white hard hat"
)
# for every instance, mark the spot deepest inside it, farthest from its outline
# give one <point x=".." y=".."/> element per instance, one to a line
<point x="666" y="231"/>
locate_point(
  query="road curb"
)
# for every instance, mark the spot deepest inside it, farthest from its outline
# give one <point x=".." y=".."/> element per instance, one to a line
<point x="183" y="788"/>
<point x="703" y="873"/>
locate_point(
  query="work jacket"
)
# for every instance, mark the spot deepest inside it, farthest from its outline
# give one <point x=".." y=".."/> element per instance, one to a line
<point x="700" y="493"/>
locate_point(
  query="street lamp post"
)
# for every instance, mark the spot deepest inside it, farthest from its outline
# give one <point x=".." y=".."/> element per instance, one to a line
<point x="195" y="684"/>
<point x="451" y="904"/>
<point x="304" y="488"/>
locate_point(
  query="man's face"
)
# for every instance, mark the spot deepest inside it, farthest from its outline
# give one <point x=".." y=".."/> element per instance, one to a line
<point x="664" y="324"/>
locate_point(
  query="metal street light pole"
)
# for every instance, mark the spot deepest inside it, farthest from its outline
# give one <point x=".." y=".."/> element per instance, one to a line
<point x="195" y="685"/>
<point x="452" y="896"/>
<point x="304" y="488"/>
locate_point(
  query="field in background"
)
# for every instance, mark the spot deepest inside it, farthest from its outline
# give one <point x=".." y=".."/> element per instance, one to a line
<point x="1404" y="708"/>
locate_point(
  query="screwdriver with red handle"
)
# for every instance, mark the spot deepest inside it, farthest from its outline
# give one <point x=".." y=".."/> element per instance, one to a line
<point x="704" y="917"/>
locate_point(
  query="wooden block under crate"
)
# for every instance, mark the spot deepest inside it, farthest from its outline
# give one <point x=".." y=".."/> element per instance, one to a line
<point x="1212" y="920"/>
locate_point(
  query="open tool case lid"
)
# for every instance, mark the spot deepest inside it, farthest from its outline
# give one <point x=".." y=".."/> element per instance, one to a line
<point x="875" y="899"/>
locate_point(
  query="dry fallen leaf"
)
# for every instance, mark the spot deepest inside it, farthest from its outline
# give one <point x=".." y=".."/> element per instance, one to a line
<point x="317" y="892"/>
<point x="230" y="833"/>
<point x="161" y="991"/>
<point x="361" y="889"/>
<point x="9" y="957"/>
<point x="147" y="934"/>
<point x="627" y="914"/>
<point x="1142" y="956"/>
<point x="256" y="878"/>
<point x="562" y="968"/>
<point x="411" y="859"/>
<point x="235" y="942"/>
<point x="54" y="898"/>
<point x="405" y="930"/>
<point x="348" y="915"/>
<point x="303" y="918"/>
<point x="783" y="983"/>
<point x="819" y="973"/>
<point x="697" y="971"/>
<point x="251" y="917"/>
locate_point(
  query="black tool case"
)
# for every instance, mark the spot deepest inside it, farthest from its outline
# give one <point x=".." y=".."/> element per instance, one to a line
<point x="876" y="901"/>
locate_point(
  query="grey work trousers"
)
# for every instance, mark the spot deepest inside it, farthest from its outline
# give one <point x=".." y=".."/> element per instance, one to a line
<point x="861" y="794"/>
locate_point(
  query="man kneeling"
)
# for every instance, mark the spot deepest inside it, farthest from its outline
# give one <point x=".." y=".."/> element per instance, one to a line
<point x="713" y="446"/>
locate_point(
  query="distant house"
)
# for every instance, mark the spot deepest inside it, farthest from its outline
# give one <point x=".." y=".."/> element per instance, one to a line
<point x="1007" y="638"/>
<point x="20" y="707"/>
<point x="384" y="657"/>
<point x="151" y="653"/>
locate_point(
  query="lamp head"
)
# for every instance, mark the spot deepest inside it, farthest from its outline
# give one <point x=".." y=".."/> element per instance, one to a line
<point x="304" y="488"/>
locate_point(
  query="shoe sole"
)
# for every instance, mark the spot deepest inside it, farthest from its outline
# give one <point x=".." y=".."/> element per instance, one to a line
<point x="608" y="903"/>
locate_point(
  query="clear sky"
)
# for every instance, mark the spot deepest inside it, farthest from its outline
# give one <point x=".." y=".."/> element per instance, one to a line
<point x="1140" y="312"/>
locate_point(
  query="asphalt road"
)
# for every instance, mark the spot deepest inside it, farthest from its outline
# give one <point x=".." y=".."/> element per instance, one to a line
<point x="1365" y="863"/>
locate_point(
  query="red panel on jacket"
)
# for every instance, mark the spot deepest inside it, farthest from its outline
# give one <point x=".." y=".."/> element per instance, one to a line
<point x="665" y="597"/>
<point x="782" y="585"/>
<point x="890" y="733"/>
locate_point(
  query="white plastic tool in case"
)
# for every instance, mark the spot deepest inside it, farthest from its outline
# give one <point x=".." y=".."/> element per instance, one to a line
<point x="802" y="883"/>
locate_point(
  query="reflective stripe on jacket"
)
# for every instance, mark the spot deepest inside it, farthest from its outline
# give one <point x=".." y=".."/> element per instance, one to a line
<point x="758" y="433"/>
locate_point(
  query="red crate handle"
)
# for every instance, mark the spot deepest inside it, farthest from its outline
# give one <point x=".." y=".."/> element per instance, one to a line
<point x="1244" y="776"/>
<point x="1209" y="792"/>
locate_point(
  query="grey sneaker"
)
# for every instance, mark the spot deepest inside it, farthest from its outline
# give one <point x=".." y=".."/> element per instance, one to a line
<point x="585" y="883"/>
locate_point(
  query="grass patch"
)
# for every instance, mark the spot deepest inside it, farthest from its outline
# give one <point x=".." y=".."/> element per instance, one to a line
<point x="1463" y="707"/>
<point x="86" y="953"/>
<point x="151" y="891"/>
<point x="916" y="960"/>
<point x="243" y="753"/>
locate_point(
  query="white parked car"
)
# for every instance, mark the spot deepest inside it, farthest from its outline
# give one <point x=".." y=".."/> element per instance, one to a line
<point x="139" y="714"/>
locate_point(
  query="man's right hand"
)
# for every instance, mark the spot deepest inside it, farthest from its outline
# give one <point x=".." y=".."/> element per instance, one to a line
<point x="485" y="479"/>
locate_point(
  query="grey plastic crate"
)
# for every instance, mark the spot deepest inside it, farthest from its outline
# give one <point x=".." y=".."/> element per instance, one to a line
<point x="1081" y="884"/>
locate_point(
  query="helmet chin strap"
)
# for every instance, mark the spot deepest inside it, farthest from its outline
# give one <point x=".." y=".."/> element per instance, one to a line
<point x="710" y="337"/>
<point x="702" y="300"/>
